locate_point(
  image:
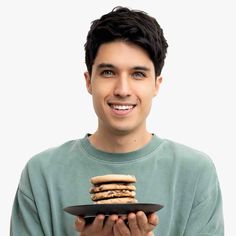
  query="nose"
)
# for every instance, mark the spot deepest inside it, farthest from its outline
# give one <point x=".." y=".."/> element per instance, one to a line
<point x="122" y="87"/>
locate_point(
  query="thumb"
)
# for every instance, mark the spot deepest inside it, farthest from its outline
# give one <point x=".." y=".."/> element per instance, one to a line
<point x="79" y="223"/>
<point x="150" y="234"/>
<point x="153" y="219"/>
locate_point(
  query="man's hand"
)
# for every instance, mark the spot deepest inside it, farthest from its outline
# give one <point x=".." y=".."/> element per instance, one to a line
<point x="99" y="227"/>
<point x="138" y="225"/>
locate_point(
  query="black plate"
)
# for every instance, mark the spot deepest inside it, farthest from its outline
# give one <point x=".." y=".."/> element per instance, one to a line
<point x="107" y="209"/>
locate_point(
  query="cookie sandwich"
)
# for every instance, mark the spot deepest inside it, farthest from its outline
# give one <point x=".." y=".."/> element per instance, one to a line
<point x="113" y="188"/>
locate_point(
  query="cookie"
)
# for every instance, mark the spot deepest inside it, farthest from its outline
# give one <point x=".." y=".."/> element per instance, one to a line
<point x="112" y="194"/>
<point x="113" y="178"/>
<point x="112" y="186"/>
<point x="122" y="200"/>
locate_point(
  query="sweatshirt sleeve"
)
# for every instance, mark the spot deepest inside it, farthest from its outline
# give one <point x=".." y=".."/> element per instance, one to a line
<point x="206" y="216"/>
<point x="24" y="219"/>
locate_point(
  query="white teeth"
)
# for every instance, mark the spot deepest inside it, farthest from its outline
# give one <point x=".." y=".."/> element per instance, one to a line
<point x="122" y="107"/>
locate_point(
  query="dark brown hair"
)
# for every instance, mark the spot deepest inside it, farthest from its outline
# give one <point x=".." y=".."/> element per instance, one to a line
<point x="132" y="26"/>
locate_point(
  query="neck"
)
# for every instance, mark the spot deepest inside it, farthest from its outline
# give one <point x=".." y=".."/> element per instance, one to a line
<point x="119" y="143"/>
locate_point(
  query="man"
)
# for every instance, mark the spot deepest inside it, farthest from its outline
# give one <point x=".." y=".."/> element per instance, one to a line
<point x="125" y="53"/>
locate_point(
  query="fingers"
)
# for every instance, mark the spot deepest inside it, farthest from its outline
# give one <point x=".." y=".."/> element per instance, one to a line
<point x="79" y="224"/>
<point x="146" y="223"/>
<point x="116" y="231"/>
<point x="138" y="224"/>
<point x="133" y="224"/>
<point x="150" y="234"/>
<point x="98" y="222"/>
<point x="96" y="226"/>
<point x="109" y="223"/>
<point x="120" y="228"/>
<point x="153" y="219"/>
<point x="99" y="225"/>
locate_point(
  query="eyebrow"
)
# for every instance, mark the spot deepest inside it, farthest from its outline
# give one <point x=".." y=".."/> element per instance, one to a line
<point x="144" y="68"/>
<point x="108" y="65"/>
<point x="105" y="65"/>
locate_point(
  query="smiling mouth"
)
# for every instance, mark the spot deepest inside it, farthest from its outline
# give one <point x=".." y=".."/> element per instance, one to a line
<point x="121" y="107"/>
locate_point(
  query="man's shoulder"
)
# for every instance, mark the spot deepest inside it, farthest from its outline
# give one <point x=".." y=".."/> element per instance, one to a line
<point x="47" y="164"/>
<point x="183" y="153"/>
<point x="55" y="154"/>
<point x="187" y="161"/>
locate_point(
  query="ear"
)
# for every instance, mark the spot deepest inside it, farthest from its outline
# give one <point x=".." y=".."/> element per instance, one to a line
<point x="158" y="82"/>
<point x="88" y="82"/>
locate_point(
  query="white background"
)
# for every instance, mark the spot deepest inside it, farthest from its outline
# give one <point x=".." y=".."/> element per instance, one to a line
<point x="43" y="100"/>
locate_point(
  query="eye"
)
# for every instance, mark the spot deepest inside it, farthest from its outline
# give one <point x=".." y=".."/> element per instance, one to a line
<point x="138" y="75"/>
<point x="107" y="73"/>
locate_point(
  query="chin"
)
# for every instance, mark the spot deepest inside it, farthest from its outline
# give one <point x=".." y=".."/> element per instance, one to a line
<point x="122" y="131"/>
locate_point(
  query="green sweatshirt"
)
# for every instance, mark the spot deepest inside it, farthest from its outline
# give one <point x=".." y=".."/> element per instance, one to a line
<point x="182" y="179"/>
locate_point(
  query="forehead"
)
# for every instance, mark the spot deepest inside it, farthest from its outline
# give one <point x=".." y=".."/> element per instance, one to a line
<point x="122" y="54"/>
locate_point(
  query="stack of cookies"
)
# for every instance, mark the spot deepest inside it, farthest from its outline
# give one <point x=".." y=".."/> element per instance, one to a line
<point x="113" y="188"/>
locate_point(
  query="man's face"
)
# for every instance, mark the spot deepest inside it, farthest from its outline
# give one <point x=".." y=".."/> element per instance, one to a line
<point x="122" y="85"/>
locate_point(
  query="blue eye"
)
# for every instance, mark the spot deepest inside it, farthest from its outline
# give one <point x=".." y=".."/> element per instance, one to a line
<point x="138" y="75"/>
<point x="107" y="73"/>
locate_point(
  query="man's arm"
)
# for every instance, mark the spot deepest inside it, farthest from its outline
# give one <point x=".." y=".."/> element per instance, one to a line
<point x="24" y="219"/>
<point x="206" y="216"/>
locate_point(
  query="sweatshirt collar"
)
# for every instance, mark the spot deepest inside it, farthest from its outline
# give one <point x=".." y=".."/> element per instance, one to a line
<point x="120" y="157"/>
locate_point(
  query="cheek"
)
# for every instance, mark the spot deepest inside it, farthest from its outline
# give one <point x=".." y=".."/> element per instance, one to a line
<point x="146" y="94"/>
<point x="146" y="101"/>
<point x="98" y="100"/>
<point x="97" y="107"/>
<point x="98" y="96"/>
